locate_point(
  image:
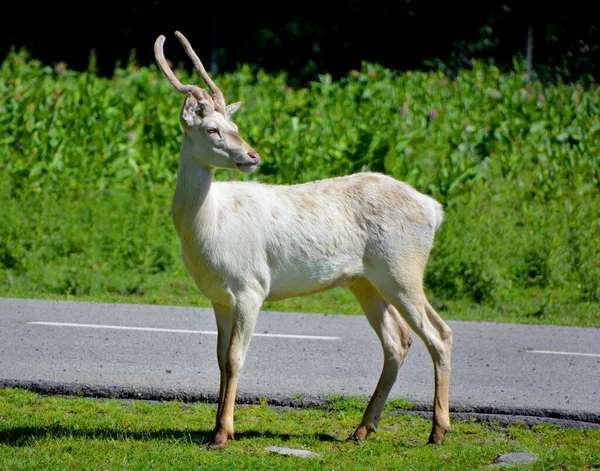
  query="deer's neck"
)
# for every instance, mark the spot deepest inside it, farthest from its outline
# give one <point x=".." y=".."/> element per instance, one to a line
<point x="194" y="208"/>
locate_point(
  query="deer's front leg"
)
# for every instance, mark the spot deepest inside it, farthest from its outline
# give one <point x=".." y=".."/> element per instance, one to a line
<point x="224" y="320"/>
<point x="235" y="329"/>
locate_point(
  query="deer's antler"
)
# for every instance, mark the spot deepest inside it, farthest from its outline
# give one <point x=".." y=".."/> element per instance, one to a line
<point x="159" y="55"/>
<point x="218" y="97"/>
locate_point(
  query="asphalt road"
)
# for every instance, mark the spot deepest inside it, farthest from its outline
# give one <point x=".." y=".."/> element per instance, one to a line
<point x="160" y="352"/>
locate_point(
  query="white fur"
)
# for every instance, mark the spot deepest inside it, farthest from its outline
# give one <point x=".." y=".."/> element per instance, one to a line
<point x="246" y="242"/>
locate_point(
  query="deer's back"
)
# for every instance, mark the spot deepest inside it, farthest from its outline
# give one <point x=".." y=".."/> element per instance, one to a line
<point x="369" y="203"/>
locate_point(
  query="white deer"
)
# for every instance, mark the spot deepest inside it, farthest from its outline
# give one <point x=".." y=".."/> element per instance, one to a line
<point x="247" y="242"/>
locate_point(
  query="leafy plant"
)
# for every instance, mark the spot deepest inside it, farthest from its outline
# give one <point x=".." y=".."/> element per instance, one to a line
<point x="88" y="164"/>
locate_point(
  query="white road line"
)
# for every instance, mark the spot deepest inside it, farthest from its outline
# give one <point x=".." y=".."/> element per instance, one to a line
<point x="550" y="352"/>
<point x="178" y="331"/>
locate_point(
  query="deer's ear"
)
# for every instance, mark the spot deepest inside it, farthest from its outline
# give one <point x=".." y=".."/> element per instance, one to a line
<point x="232" y="108"/>
<point x="192" y="108"/>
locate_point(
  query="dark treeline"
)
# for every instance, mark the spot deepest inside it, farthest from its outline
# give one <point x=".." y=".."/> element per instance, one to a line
<point x="310" y="37"/>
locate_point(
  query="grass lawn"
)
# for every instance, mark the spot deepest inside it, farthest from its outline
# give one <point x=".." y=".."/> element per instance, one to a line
<point x="52" y="433"/>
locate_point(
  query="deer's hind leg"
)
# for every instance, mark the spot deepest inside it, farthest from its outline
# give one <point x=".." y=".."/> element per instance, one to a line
<point x="395" y="338"/>
<point x="405" y="292"/>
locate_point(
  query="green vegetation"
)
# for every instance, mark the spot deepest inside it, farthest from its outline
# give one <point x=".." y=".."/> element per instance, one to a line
<point x="87" y="170"/>
<point x="38" y="432"/>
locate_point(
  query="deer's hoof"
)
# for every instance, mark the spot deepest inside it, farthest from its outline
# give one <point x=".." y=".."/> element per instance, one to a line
<point x="359" y="435"/>
<point x="214" y="445"/>
<point x="436" y="437"/>
<point x="218" y="440"/>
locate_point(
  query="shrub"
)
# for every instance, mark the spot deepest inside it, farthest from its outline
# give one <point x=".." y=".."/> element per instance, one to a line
<point x="88" y="166"/>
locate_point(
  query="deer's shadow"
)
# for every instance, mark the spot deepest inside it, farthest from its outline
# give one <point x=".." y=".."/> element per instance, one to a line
<point x="22" y="435"/>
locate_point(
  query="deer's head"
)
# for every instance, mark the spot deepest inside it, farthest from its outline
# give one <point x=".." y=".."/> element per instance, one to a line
<point x="210" y="135"/>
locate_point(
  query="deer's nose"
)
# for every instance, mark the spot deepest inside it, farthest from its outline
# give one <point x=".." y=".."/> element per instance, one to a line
<point x="253" y="155"/>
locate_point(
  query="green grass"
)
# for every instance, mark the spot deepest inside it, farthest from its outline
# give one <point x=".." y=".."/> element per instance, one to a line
<point x="87" y="171"/>
<point x="52" y="433"/>
<point x="120" y="246"/>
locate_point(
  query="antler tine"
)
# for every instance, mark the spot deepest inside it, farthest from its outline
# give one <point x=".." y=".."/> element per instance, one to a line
<point x="159" y="55"/>
<point x="218" y="97"/>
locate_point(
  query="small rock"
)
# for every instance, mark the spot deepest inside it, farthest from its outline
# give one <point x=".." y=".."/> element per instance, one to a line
<point x="517" y="457"/>
<point x="292" y="451"/>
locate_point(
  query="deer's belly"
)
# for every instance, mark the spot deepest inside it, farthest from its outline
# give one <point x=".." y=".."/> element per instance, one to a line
<point x="277" y="277"/>
<point x="305" y="279"/>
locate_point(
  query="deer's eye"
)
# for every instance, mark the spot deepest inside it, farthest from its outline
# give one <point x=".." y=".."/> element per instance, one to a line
<point x="212" y="130"/>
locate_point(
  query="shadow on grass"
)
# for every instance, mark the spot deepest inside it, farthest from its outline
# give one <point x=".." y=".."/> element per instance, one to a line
<point x="249" y="435"/>
<point x="23" y="436"/>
